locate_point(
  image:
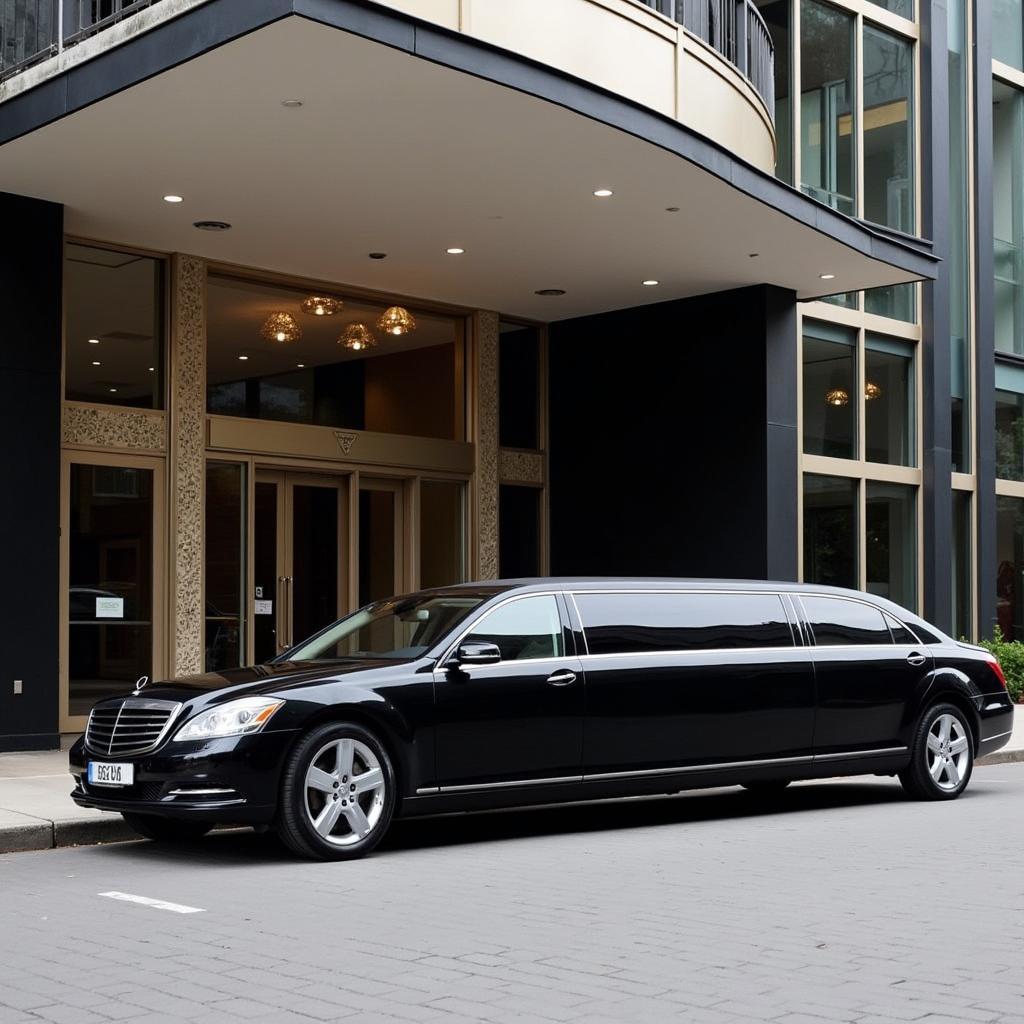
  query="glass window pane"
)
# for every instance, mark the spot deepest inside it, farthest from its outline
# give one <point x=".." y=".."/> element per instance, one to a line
<point x="848" y="300"/>
<point x="777" y="16"/>
<point x="891" y="542"/>
<point x="830" y="530"/>
<point x="377" y="562"/>
<point x="1007" y="34"/>
<point x="1007" y="215"/>
<point x="1009" y="435"/>
<point x="904" y="8"/>
<point x="313" y="589"/>
<point x="888" y="130"/>
<point x="1010" y="569"/>
<point x="827" y="119"/>
<point x="398" y="384"/>
<point x="265" y="570"/>
<point x="110" y="563"/>
<point x="114" y="327"/>
<point x="442" y="533"/>
<point x="225" y="564"/>
<point x="519" y="526"/>
<point x="897" y="302"/>
<point x="829" y="391"/>
<point x="889" y="417"/>
<point x="960" y="566"/>
<point x="836" y="622"/>
<point x="519" y="387"/>
<point x="527" y="628"/>
<point x="624" y="623"/>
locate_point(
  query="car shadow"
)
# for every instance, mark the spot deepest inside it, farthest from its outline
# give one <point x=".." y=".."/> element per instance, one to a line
<point x="228" y="847"/>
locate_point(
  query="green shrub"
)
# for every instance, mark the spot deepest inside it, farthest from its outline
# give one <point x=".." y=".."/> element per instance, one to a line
<point x="1010" y="654"/>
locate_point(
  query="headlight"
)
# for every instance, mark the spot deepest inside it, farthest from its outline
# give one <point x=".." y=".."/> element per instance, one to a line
<point x="236" y="718"/>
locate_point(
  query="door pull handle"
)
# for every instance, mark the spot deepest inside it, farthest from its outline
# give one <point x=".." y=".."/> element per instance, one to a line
<point x="565" y="678"/>
<point x="916" y="659"/>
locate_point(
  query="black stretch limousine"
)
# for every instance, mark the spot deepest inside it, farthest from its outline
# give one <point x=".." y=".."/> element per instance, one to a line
<point x="522" y="692"/>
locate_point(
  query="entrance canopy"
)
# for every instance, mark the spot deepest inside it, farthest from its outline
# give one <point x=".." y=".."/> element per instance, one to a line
<point x="389" y="152"/>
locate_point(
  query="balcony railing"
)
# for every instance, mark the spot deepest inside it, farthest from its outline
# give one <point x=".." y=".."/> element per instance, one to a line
<point x="32" y="30"/>
<point x="736" y="30"/>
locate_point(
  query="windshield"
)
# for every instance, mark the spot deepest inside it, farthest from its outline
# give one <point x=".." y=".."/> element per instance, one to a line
<point x="401" y="627"/>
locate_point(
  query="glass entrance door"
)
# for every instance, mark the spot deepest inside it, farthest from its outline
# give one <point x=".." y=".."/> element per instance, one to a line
<point x="298" y="545"/>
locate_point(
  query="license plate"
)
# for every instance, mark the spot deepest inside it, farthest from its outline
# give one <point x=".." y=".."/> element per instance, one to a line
<point x="103" y="773"/>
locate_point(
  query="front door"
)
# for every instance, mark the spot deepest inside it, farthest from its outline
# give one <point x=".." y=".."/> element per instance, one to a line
<point x="298" y="558"/>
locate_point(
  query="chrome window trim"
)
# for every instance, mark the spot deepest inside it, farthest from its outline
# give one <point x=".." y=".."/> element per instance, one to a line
<point x="698" y="651"/>
<point x="571" y="596"/>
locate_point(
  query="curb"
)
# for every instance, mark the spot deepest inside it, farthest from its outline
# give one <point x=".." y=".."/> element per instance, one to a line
<point x="49" y="835"/>
<point x="1002" y="757"/>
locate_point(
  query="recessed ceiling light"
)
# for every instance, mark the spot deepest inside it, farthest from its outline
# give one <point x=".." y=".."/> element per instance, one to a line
<point x="549" y="291"/>
<point x="152" y="369"/>
<point x="95" y="362"/>
<point x="94" y="341"/>
<point x="291" y="104"/>
<point x="243" y="358"/>
<point x="603" y="193"/>
<point x="378" y="255"/>
<point x="211" y="225"/>
<point x="753" y="255"/>
<point x="671" y="209"/>
<point x="650" y="283"/>
<point x="455" y="251"/>
<point x="300" y="366"/>
<point x="826" y="277"/>
<point x="113" y="391"/>
<point x="173" y="199"/>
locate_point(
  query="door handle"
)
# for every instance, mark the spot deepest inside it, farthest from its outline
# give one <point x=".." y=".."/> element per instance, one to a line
<point x="564" y="678"/>
<point x="915" y="659"/>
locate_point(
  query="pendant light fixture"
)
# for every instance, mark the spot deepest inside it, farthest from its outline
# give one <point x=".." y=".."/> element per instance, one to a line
<point x="281" y="327"/>
<point x="396" y="320"/>
<point x="872" y="390"/>
<point x="357" y="337"/>
<point x="837" y="397"/>
<point x="321" y="305"/>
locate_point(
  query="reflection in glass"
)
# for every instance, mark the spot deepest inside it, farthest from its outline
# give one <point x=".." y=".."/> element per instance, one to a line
<point x="224" y="542"/>
<point x="1008" y="32"/>
<point x="830" y="530"/>
<point x="1010" y="566"/>
<point x="960" y="566"/>
<point x="897" y="302"/>
<point x="410" y="384"/>
<point x="848" y="300"/>
<point x="1009" y="435"/>
<point x="891" y="540"/>
<point x="959" y="238"/>
<point x="888" y="402"/>
<point x="1007" y="215"/>
<point x="114" y="327"/>
<point x="904" y="8"/>
<point x="829" y="391"/>
<point x="442" y="533"/>
<point x="888" y="130"/>
<point x="110" y="570"/>
<point x="827" y="118"/>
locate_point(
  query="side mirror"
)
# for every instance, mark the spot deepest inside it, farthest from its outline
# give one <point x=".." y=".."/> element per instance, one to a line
<point x="477" y="654"/>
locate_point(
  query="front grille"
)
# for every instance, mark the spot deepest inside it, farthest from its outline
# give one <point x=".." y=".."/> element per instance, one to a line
<point x="133" y="725"/>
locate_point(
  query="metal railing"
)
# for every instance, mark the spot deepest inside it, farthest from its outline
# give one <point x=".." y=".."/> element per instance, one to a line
<point x="32" y="30"/>
<point x="736" y="30"/>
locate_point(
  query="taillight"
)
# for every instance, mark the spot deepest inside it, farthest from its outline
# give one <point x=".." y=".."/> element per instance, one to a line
<point x="993" y="664"/>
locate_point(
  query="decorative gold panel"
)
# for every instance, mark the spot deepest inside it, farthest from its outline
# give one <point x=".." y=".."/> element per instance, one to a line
<point x="90" y="426"/>
<point x="517" y="467"/>
<point x="188" y="414"/>
<point x="486" y="437"/>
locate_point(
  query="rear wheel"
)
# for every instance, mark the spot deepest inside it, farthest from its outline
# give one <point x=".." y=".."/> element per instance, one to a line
<point x="166" y="830"/>
<point x="941" y="757"/>
<point x="337" y="793"/>
<point x="767" y="787"/>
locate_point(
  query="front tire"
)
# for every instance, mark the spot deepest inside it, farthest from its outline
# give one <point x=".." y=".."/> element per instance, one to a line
<point x="941" y="757"/>
<point x="166" y="830"/>
<point x="337" y="793"/>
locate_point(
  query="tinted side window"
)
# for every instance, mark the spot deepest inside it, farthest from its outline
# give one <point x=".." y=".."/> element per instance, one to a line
<point x="628" y="623"/>
<point x="838" y="622"/>
<point x="527" y="628"/>
<point x="900" y="633"/>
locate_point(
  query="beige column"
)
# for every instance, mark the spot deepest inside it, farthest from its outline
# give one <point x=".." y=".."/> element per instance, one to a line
<point x="187" y="460"/>
<point x="485" y="437"/>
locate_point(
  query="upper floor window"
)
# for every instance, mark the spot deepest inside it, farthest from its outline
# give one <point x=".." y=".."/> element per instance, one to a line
<point x="519" y="386"/>
<point x="635" y="622"/>
<point x="113" y="327"/>
<point x="904" y="8"/>
<point x="1008" y="32"/>
<point x="275" y="353"/>
<point x="1008" y="215"/>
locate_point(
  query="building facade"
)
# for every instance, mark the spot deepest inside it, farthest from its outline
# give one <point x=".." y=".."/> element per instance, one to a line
<point x="309" y="302"/>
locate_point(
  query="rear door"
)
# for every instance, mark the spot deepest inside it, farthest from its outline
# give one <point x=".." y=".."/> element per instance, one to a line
<point x="867" y="667"/>
<point x="679" y="679"/>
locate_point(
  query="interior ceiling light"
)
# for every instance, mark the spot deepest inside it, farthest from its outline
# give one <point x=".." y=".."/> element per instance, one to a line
<point x="243" y="358"/>
<point x="321" y="305"/>
<point x="396" y="320"/>
<point x="173" y="199"/>
<point x="837" y="397"/>
<point x="872" y="391"/>
<point x="650" y="282"/>
<point x="549" y="291"/>
<point x="357" y="337"/>
<point x="113" y="391"/>
<point x="827" y="277"/>
<point x="281" y="327"/>
<point x="300" y="366"/>
<point x="94" y="341"/>
<point x="211" y="225"/>
<point x="603" y="193"/>
<point x="95" y="362"/>
<point x="455" y="251"/>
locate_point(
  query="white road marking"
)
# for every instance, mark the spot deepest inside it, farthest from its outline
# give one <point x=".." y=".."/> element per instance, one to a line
<point x="175" y="908"/>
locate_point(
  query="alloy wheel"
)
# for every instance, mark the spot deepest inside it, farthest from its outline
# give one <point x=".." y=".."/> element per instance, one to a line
<point x="948" y="751"/>
<point x="345" y="790"/>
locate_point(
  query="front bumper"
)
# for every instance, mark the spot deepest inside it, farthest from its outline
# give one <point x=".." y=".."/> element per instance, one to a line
<point x="234" y="780"/>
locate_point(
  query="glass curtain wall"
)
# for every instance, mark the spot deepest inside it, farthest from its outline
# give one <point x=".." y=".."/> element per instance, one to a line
<point x="960" y="566"/>
<point x="830" y="530"/>
<point x="1010" y="558"/>
<point x="1008" y="32"/>
<point x="225" y="543"/>
<point x="1008" y="215"/>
